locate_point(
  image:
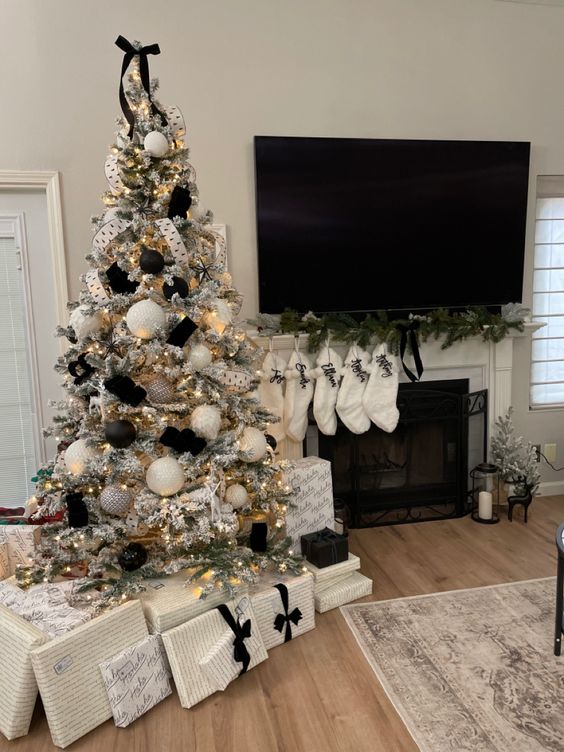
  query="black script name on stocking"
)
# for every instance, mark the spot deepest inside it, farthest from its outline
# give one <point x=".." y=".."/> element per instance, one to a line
<point x="357" y="369"/>
<point x="330" y="372"/>
<point x="301" y="368"/>
<point x="385" y="365"/>
<point x="277" y="376"/>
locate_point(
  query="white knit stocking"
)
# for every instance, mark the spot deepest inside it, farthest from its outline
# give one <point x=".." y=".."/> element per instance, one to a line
<point x="299" y="391"/>
<point x="381" y="393"/>
<point x="349" y="402"/>
<point x="328" y="378"/>
<point x="271" y="391"/>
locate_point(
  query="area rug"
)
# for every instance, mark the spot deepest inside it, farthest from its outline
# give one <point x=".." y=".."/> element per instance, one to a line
<point x="470" y="669"/>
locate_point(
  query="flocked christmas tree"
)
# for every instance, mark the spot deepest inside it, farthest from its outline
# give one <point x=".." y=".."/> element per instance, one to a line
<point x="163" y="461"/>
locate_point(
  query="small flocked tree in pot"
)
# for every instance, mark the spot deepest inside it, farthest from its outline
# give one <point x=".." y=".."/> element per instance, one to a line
<point x="515" y="458"/>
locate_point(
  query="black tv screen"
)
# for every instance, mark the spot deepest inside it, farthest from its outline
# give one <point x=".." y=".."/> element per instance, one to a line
<point x="360" y="225"/>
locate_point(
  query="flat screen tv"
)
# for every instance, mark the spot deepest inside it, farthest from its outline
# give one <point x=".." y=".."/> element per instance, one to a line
<point x="359" y="225"/>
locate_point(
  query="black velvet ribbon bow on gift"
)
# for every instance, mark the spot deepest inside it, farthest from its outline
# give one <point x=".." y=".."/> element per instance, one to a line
<point x="242" y="632"/>
<point x="182" y="441"/>
<point x="286" y="618"/>
<point x="410" y="331"/>
<point x="143" y="52"/>
<point x="80" y="369"/>
<point x="325" y="547"/>
<point x="126" y="389"/>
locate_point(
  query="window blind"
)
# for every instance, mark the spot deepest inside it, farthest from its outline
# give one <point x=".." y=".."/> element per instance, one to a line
<point x="17" y="451"/>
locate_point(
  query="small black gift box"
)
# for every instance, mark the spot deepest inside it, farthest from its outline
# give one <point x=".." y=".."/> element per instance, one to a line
<point x="325" y="548"/>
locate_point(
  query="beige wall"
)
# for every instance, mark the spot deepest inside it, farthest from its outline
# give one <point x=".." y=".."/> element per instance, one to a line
<point x="478" y="69"/>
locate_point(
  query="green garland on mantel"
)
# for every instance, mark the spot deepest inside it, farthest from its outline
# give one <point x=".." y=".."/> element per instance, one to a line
<point x="437" y="324"/>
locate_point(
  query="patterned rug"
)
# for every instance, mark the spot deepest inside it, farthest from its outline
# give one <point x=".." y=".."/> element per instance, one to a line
<point x="470" y="669"/>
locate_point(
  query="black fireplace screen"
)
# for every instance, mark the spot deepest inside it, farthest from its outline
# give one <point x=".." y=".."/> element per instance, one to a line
<point x="418" y="472"/>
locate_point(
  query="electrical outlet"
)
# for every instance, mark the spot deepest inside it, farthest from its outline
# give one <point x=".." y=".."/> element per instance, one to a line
<point x="550" y="452"/>
<point x="537" y="450"/>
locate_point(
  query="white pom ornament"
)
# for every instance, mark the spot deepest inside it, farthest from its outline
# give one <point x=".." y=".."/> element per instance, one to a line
<point x="236" y="495"/>
<point x="85" y="324"/>
<point x="144" y="318"/>
<point x="205" y="421"/>
<point x="160" y="391"/>
<point x="219" y="317"/>
<point x="115" y="500"/>
<point x="77" y="456"/>
<point x="156" y="143"/>
<point x="200" y="357"/>
<point x="252" y="444"/>
<point x="165" y="476"/>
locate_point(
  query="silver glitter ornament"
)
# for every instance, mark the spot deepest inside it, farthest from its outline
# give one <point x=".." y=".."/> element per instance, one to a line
<point x="160" y="391"/>
<point x="115" y="500"/>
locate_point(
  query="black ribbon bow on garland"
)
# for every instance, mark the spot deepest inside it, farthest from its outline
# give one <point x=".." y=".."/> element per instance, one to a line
<point x="80" y="369"/>
<point x="286" y="618"/>
<point x="143" y="52"/>
<point x="182" y="441"/>
<point x="242" y="632"/>
<point x="126" y="389"/>
<point x="410" y="330"/>
<point x="182" y="332"/>
<point x="119" y="280"/>
<point x="180" y="202"/>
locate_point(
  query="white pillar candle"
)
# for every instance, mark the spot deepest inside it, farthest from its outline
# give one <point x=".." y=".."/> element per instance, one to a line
<point x="485" y="505"/>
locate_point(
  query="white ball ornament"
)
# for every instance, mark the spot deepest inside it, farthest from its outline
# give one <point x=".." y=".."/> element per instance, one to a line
<point x="85" y="324"/>
<point x="236" y="495"/>
<point x="199" y="357"/>
<point x="205" y="421"/>
<point x="144" y="318"/>
<point x="156" y="143"/>
<point x="115" y="500"/>
<point x="252" y="444"/>
<point x="77" y="456"/>
<point x="165" y="476"/>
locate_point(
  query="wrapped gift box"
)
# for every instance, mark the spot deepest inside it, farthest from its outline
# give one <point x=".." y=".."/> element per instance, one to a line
<point x="68" y="674"/>
<point x="352" y="587"/>
<point x="136" y="680"/>
<point x="283" y="615"/>
<point x="18" y="688"/>
<point x="325" y="548"/>
<point x="171" y="601"/>
<point x="310" y="506"/>
<point x="17" y="544"/>
<point x="44" y="606"/>
<point x="202" y="653"/>
<point x="327" y="576"/>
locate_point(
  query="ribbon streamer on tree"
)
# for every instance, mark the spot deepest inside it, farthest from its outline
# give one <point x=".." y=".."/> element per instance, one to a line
<point x="286" y="618"/>
<point x="241" y="632"/>
<point x="410" y="331"/>
<point x="130" y="52"/>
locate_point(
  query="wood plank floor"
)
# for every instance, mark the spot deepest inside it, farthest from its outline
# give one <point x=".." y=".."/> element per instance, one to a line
<point x="317" y="693"/>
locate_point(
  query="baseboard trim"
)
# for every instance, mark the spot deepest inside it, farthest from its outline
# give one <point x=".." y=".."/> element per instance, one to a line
<point x="551" y="488"/>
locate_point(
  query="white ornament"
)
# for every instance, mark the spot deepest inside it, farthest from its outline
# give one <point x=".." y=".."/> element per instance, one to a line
<point x="77" y="455"/>
<point x="252" y="444"/>
<point x="219" y="317"/>
<point x="205" y="421"/>
<point x="199" y="357"/>
<point x="236" y="495"/>
<point x="144" y="318"/>
<point x="165" y="476"/>
<point x="160" y="391"/>
<point x="115" y="500"/>
<point x="85" y="324"/>
<point x="197" y="210"/>
<point x="31" y="506"/>
<point x="156" y="143"/>
<point x="133" y="525"/>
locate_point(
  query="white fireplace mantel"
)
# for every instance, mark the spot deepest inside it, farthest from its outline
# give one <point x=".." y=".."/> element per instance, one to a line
<point x="487" y="365"/>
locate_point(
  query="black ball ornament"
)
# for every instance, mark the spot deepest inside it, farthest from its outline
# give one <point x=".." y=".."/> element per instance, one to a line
<point x="151" y="261"/>
<point x="133" y="556"/>
<point x="179" y="286"/>
<point x="120" y="433"/>
<point x="270" y="440"/>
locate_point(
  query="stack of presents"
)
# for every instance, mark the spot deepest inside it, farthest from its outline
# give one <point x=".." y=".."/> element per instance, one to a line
<point x="89" y="669"/>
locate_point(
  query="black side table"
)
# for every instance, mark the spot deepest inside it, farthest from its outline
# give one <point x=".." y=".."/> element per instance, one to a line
<point x="558" y="631"/>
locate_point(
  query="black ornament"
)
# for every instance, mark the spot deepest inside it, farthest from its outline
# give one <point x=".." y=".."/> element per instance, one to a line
<point x="259" y="531"/>
<point x="126" y="389"/>
<point x="133" y="556"/>
<point x="180" y="201"/>
<point x="77" y="510"/>
<point x="80" y="369"/>
<point x="119" y="281"/>
<point x="151" y="261"/>
<point x="120" y="433"/>
<point x="183" y="441"/>
<point x="182" y="332"/>
<point x="270" y="440"/>
<point x="179" y="286"/>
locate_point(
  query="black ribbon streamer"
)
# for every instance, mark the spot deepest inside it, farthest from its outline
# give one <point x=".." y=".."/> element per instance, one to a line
<point x="119" y="281"/>
<point x="143" y="52"/>
<point x="126" y="389"/>
<point x="241" y="632"/>
<point x="410" y="330"/>
<point x="180" y="202"/>
<point x="182" y="332"/>
<point x="80" y="369"/>
<point x="286" y="618"/>
<point x="182" y="441"/>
